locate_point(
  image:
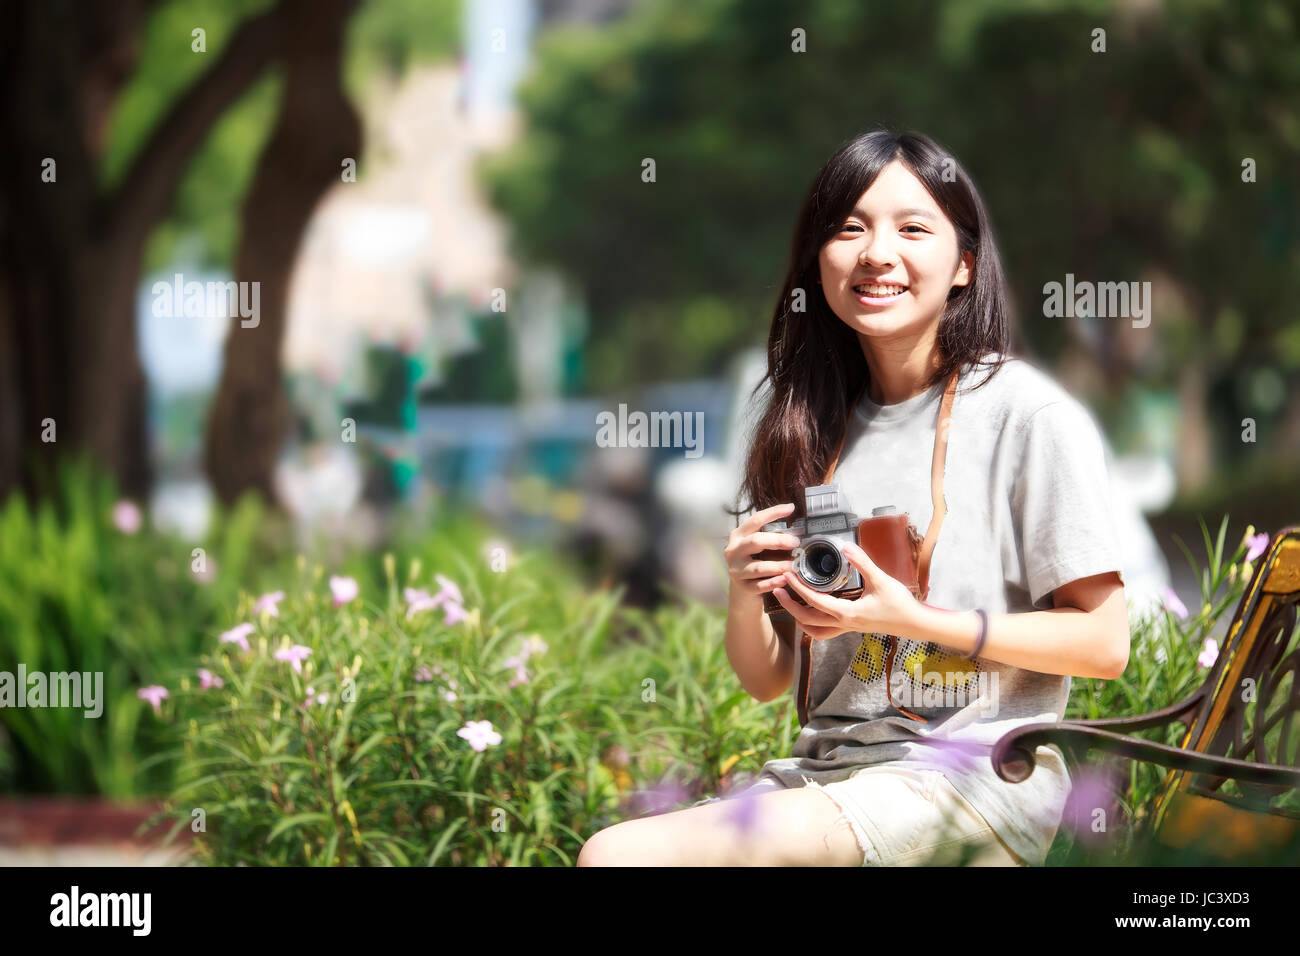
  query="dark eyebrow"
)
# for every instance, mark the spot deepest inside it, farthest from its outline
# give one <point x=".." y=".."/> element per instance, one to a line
<point x="905" y="214"/>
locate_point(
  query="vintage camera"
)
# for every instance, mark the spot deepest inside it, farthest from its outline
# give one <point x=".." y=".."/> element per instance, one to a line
<point x="827" y="525"/>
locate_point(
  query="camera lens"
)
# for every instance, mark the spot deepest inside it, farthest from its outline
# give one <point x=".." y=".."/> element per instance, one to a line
<point x="822" y="563"/>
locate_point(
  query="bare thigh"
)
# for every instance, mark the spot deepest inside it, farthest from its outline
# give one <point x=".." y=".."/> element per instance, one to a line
<point x="793" y="827"/>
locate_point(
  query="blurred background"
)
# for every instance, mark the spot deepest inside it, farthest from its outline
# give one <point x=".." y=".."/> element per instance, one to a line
<point x="461" y="265"/>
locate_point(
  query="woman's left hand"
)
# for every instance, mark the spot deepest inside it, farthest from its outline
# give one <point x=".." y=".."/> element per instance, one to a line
<point x="886" y="605"/>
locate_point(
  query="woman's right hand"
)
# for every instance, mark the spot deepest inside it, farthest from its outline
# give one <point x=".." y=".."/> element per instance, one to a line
<point x="752" y="572"/>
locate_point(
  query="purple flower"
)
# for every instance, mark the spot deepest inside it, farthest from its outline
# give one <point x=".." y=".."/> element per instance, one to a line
<point x="480" y="734"/>
<point x="293" y="655"/>
<point x="313" y="697"/>
<point x="1258" y="543"/>
<point x="1173" y="605"/>
<point x="744" y="811"/>
<point x="1092" y="791"/>
<point x="126" y="517"/>
<point x="454" y="613"/>
<point x="423" y="674"/>
<point x="344" y="589"/>
<point x="154" y="694"/>
<point x="957" y="756"/>
<point x="268" y="602"/>
<point x="237" y="635"/>
<point x="1210" y="654"/>
<point x="208" y="679"/>
<point x="661" y="798"/>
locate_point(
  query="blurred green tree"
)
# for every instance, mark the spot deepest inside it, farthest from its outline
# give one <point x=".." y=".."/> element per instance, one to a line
<point x="158" y="134"/>
<point x="1123" y="165"/>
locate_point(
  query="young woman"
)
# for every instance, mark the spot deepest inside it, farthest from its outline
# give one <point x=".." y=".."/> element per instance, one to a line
<point x="894" y="304"/>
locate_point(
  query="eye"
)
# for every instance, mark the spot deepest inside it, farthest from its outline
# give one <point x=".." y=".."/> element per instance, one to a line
<point x="919" y="228"/>
<point x="848" y="226"/>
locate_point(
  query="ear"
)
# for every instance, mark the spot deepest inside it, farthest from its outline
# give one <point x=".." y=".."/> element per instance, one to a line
<point x="965" y="269"/>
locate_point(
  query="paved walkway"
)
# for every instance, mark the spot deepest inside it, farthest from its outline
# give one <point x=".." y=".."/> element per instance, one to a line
<point x="90" y="855"/>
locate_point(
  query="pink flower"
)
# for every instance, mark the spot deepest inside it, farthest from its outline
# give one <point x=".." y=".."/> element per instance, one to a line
<point x="449" y="597"/>
<point x="313" y="697"/>
<point x="237" y="635"/>
<point x="208" y="679"/>
<point x="1258" y="544"/>
<point x="126" y="517"/>
<point x="423" y="674"/>
<point x="521" y="675"/>
<point x="1210" y="654"/>
<point x="293" y="655"/>
<point x="532" y="645"/>
<point x="420" y="600"/>
<point x="449" y="696"/>
<point x="268" y="602"/>
<point x="345" y="589"/>
<point x="480" y="734"/>
<point x="449" y="590"/>
<point x="154" y="694"/>
<point x="1173" y="605"/>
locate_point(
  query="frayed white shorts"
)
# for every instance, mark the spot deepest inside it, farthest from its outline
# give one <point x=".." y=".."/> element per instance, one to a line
<point x="907" y="817"/>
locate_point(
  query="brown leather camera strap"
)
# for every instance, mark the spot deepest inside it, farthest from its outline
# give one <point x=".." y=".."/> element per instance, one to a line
<point x="937" y="459"/>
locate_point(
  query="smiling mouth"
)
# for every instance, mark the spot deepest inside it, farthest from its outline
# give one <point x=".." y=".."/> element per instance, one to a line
<point x="873" y="291"/>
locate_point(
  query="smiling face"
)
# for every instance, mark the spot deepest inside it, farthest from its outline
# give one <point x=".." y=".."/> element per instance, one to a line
<point x="888" y="270"/>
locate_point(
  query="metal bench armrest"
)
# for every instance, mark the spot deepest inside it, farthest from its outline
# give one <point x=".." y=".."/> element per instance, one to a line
<point x="1013" y="755"/>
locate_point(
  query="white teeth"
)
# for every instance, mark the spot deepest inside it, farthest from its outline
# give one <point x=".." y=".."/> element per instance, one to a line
<point x="877" y="291"/>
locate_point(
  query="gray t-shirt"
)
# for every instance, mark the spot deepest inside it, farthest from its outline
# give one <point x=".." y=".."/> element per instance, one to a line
<point x="1028" y="510"/>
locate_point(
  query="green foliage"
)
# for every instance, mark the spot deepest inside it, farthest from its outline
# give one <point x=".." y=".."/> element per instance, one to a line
<point x="209" y="197"/>
<point x="390" y="35"/>
<point x="76" y="594"/>
<point x="624" y="707"/>
<point x="1163" y="669"/>
<point x="383" y="778"/>
<point x="384" y="35"/>
<point x="1106" y="165"/>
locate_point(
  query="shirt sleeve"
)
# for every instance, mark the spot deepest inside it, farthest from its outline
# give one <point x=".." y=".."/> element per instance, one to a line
<point x="1061" y="502"/>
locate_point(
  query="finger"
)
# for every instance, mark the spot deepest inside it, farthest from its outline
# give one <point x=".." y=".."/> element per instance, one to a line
<point x="767" y="540"/>
<point x="804" y="615"/>
<point x="764" y="569"/>
<point x="861" y="560"/>
<point x="823" y="633"/>
<point x="771" y="583"/>
<point x="817" y="600"/>
<point x="760" y="518"/>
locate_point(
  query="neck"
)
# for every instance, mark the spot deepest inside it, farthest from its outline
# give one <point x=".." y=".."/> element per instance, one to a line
<point x="900" y="368"/>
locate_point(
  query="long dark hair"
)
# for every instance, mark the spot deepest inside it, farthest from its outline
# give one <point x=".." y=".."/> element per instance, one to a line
<point x="814" y="360"/>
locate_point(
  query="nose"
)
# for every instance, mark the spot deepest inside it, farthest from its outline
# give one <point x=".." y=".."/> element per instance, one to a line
<point x="878" y="250"/>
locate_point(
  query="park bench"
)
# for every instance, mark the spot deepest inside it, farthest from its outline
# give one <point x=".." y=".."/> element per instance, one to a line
<point x="1238" y="755"/>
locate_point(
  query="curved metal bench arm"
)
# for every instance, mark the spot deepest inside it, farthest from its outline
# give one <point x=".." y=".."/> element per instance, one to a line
<point x="1013" y="755"/>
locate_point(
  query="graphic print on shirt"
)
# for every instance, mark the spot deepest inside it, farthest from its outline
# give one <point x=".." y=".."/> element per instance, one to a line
<point x="932" y="677"/>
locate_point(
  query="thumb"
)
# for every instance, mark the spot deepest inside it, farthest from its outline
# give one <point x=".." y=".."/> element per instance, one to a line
<point x="862" y="561"/>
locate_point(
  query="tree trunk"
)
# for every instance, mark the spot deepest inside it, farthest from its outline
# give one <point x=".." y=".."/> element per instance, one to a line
<point x="316" y="129"/>
<point x="69" y="255"/>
